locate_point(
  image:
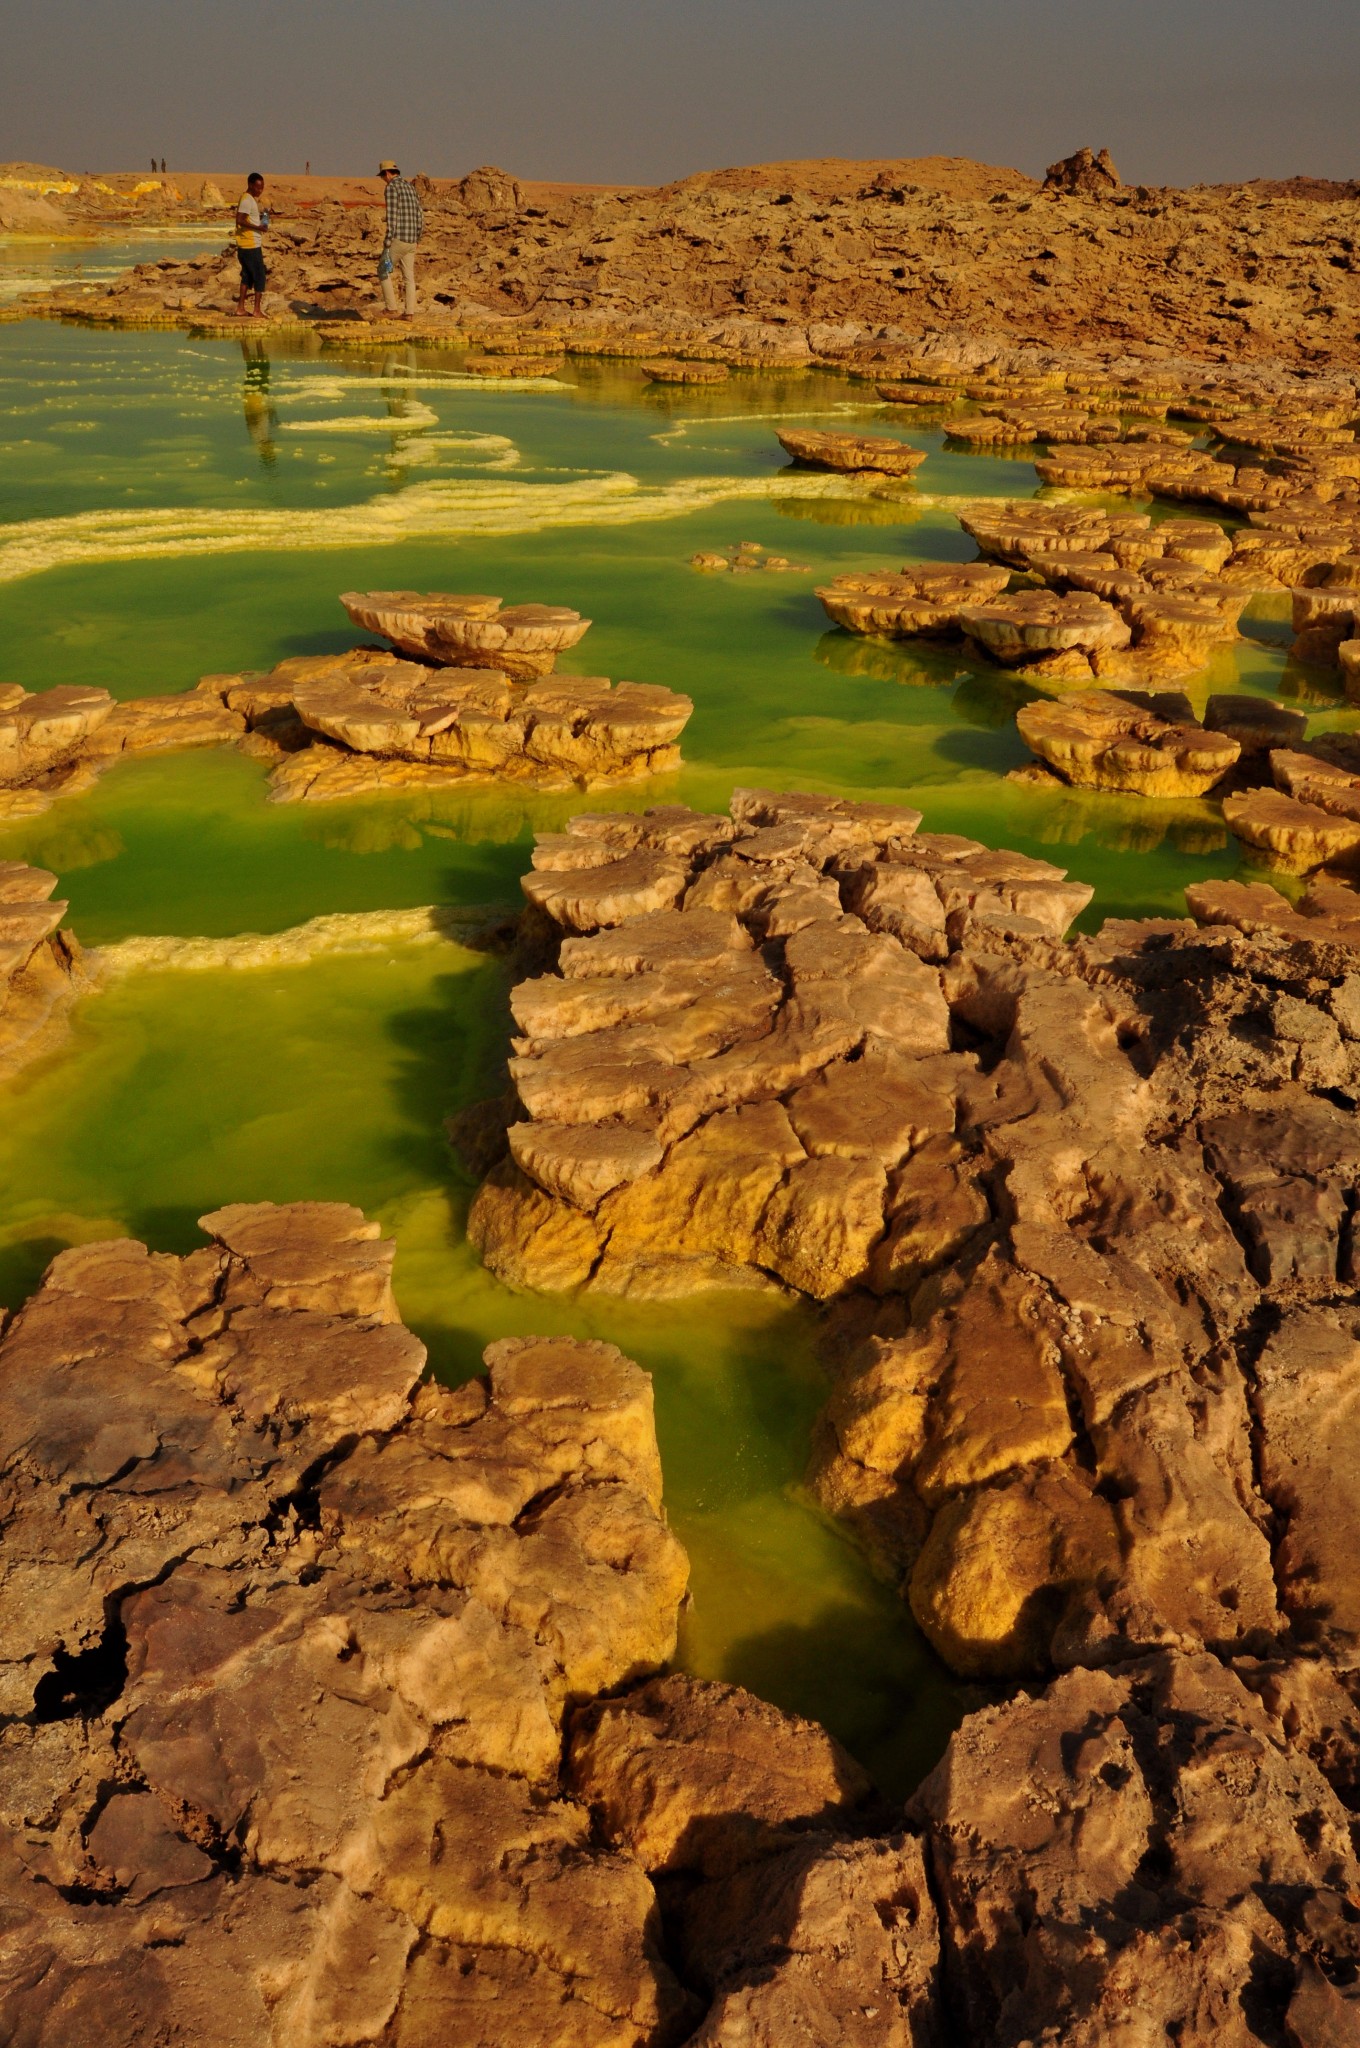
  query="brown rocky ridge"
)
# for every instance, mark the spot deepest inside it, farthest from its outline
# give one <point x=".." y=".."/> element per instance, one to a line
<point x="787" y="261"/>
<point x="329" y="1719"/>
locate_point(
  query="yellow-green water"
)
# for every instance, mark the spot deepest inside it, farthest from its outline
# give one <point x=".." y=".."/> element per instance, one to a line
<point x="170" y="507"/>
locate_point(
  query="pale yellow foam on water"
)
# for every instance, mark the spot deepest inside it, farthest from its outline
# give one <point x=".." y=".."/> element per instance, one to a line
<point x="442" y="509"/>
<point x="356" y="931"/>
<point x="414" y="415"/>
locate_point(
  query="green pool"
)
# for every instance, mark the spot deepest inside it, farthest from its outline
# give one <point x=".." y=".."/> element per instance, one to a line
<point x="171" y="507"/>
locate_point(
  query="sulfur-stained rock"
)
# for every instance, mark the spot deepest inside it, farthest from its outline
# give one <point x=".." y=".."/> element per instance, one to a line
<point x="451" y="724"/>
<point x="925" y="598"/>
<point x="699" y="1115"/>
<point x="1304" y="1403"/>
<point x="1001" y="1565"/>
<point x="852" y="454"/>
<point x="1031" y="624"/>
<point x="835" y="1940"/>
<point x="1099" y="739"/>
<point x="521" y="641"/>
<point x="40" y="965"/>
<point x="41" y="730"/>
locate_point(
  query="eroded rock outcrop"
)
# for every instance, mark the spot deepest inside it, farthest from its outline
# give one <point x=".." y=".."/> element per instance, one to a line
<point x="40" y="964"/>
<point x="741" y="1067"/>
<point x="1147" y="742"/>
<point x="288" y="1640"/>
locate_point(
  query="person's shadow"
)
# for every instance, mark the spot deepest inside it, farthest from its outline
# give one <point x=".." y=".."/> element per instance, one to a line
<point x="257" y="404"/>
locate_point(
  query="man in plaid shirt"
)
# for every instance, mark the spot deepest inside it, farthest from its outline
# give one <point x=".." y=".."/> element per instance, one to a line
<point x="405" y="226"/>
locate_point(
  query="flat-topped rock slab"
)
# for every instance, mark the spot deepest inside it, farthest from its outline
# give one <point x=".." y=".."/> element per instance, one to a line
<point x="521" y="640"/>
<point x="1101" y="739"/>
<point x="850" y="454"/>
<point x="360" y="721"/>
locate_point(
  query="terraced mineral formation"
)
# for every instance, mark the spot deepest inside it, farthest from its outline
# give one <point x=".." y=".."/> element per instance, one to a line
<point x="1149" y="743"/>
<point x="40" y="965"/>
<point x="926" y="598"/>
<point x="1311" y="815"/>
<point x="522" y="641"/>
<point x="740" y="1069"/>
<point x="684" y="372"/>
<point x="850" y="454"/>
<point x="345" y="724"/>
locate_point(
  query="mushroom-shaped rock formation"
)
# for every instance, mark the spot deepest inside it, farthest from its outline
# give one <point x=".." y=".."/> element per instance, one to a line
<point x="40" y="972"/>
<point x="684" y="372"/>
<point x="740" y="1069"/>
<point x="850" y="454"/>
<point x="917" y="394"/>
<point x="1017" y="427"/>
<point x="57" y="742"/>
<point x="1328" y="911"/>
<point x="520" y="640"/>
<point x="1324" y="619"/>
<point x="1126" y="740"/>
<point x="374" y="722"/>
<point x="289" y="1639"/>
<point x="1031" y="624"/>
<point x="926" y="598"/>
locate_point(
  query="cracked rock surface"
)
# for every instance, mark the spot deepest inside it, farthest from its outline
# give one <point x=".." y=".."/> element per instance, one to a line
<point x="288" y="1639"/>
<point x="740" y="1071"/>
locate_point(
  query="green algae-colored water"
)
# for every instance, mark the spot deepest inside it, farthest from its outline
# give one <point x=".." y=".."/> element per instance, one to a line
<point x="171" y="507"/>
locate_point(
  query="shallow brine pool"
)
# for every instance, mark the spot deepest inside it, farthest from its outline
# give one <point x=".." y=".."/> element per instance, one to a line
<point x="171" y="507"/>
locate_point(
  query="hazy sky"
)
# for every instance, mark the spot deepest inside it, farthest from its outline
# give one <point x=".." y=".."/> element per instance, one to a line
<point x="638" y="90"/>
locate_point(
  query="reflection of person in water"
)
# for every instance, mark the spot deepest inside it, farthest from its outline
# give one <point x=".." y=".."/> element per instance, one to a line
<point x="256" y="401"/>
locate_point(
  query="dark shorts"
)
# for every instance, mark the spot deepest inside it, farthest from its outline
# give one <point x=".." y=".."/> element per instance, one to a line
<point x="252" y="268"/>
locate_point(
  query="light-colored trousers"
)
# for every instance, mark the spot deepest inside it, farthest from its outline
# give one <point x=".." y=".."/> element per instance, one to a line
<point x="403" y="256"/>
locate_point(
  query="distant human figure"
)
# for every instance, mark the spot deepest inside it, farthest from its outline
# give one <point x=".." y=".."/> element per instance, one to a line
<point x="153" y="163"/>
<point x="251" y="226"/>
<point x="162" y="164"/>
<point x="405" y="226"/>
<point x="309" y="167"/>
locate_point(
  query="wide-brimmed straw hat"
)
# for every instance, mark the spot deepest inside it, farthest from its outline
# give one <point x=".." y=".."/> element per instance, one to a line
<point x="387" y="165"/>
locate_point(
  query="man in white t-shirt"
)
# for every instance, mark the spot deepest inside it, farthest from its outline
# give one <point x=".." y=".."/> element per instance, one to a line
<point x="251" y="225"/>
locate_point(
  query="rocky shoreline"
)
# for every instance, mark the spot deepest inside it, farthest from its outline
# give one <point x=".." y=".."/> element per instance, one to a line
<point x="797" y="268"/>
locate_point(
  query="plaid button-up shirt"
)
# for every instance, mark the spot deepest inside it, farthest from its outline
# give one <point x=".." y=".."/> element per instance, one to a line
<point x="405" y="217"/>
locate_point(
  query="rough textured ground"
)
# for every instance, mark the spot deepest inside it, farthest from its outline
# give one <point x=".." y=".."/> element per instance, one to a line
<point x="802" y="261"/>
<point x="327" y="1717"/>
